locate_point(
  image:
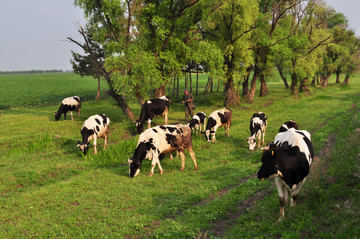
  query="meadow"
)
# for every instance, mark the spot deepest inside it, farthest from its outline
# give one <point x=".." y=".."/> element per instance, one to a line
<point x="49" y="189"/>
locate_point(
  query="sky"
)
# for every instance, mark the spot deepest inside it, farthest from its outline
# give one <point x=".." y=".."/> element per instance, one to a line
<point x="33" y="32"/>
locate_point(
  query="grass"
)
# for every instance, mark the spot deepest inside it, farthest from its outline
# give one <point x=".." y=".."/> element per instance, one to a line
<point x="48" y="189"/>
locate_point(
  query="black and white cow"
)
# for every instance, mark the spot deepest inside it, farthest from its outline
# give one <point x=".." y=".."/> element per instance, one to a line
<point x="288" y="160"/>
<point x="258" y="124"/>
<point x="71" y="104"/>
<point x="218" y="118"/>
<point x="155" y="142"/>
<point x="198" y="120"/>
<point x="288" y="125"/>
<point x="150" y="109"/>
<point x="96" y="126"/>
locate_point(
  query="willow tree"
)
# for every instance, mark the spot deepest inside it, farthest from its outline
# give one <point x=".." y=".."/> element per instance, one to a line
<point x="230" y="26"/>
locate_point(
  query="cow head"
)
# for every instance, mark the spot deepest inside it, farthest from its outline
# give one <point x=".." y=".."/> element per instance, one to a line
<point x="252" y="142"/>
<point x="57" y="115"/>
<point x="139" y="126"/>
<point x="209" y="135"/>
<point x="83" y="147"/>
<point x="269" y="167"/>
<point x="134" y="168"/>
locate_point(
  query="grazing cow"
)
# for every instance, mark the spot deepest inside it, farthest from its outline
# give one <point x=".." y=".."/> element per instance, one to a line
<point x="218" y="118"/>
<point x="258" y="124"/>
<point x="96" y="126"/>
<point x="155" y="142"/>
<point x="288" y="125"/>
<point x="69" y="104"/>
<point x="198" y="120"/>
<point x="288" y="161"/>
<point x="153" y="107"/>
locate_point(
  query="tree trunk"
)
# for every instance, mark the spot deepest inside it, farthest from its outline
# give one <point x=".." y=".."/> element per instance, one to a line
<point x="294" y="85"/>
<point x="174" y="86"/>
<point x="304" y="86"/>
<point x="161" y="91"/>
<point x="186" y="80"/>
<point x="190" y="81"/>
<point x="326" y="80"/>
<point x="197" y="81"/>
<point x="177" y="88"/>
<point x="98" y="89"/>
<point x="263" y="87"/>
<point x="283" y="77"/>
<point x="232" y="99"/>
<point x="338" y="77"/>
<point x="122" y="104"/>
<point x="218" y="86"/>
<point x="346" y="81"/>
<point x="211" y="85"/>
<point x="208" y="85"/>
<point x="322" y="79"/>
<point x="138" y="95"/>
<point x="251" y="95"/>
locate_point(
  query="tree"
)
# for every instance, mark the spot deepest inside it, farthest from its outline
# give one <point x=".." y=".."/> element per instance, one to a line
<point x="92" y="64"/>
<point x="230" y="26"/>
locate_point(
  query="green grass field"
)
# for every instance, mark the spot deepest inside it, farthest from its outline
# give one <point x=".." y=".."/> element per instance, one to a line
<point x="48" y="189"/>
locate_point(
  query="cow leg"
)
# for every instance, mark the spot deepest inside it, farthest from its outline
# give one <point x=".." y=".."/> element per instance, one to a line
<point x="78" y="112"/>
<point x="95" y="138"/>
<point x="192" y="155"/>
<point x="182" y="156"/>
<point x="155" y="161"/>
<point x="282" y="199"/>
<point x="106" y="139"/>
<point x="71" y="114"/>
<point x="259" y="139"/>
<point x="197" y="129"/>
<point x="166" y="117"/>
<point x="64" y="116"/>
<point x="149" y="123"/>
<point x="263" y="136"/>
<point x="213" y="139"/>
<point x="295" y="193"/>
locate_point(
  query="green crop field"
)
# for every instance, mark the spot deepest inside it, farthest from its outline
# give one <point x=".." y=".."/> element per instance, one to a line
<point x="49" y="189"/>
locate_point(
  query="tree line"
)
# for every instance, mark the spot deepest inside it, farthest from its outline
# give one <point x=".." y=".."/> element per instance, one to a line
<point x="30" y="72"/>
<point x="139" y="46"/>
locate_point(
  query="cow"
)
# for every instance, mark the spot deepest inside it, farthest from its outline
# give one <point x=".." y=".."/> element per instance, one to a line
<point x="150" y="109"/>
<point x="96" y="126"/>
<point x="196" y="122"/>
<point x="258" y="124"/>
<point x="287" y="125"/>
<point x="288" y="160"/>
<point x="218" y="118"/>
<point x="71" y="104"/>
<point x="155" y="142"/>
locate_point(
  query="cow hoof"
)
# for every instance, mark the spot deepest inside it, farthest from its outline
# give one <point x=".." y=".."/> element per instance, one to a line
<point x="196" y="168"/>
<point x="161" y="172"/>
<point x="151" y="174"/>
<point x="182" y="169"/>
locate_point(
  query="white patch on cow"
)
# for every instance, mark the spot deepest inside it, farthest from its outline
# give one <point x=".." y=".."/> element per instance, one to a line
<point x="295" y="139"/>
<point x="197" y="118"/>
<point x="71" y="101"/>
<point x="164" y="98"/>
<point x="148" y="102"/>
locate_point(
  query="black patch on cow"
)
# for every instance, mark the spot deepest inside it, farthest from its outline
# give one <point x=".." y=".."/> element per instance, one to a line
<point x="211" y="123"/>
<point x="171" y="129"/>
<point x="193" y="122"/>
<point x="181" y="131"/>
<point x="77" y="99"/>
<point x="171" y="140"/>
<point x="290" y="162"/>
<point x="98" y="121"/>
<point x="177" y="131"/>
<point x="201" y="116"/>
<point x="104" y="118"/>
<point x="97" y="128"/>
<point x="162" y="127"/>
<point x="161" y="156"/>
<point x="86" y="133"/>
<point x="223" y="118"/>
<point x="154" y="130"/>
<point x="254" y="128"/>
<point x="289" y="124"/>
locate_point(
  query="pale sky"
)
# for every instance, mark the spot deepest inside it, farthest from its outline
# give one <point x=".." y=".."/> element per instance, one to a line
<point x="33" y="32"/>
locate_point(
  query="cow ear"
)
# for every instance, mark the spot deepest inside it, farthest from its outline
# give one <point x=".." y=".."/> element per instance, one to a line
<point x="78" y="143"/>
<point x="130" y="161"/>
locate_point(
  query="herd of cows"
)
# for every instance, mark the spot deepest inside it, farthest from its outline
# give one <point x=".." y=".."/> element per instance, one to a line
<point x="287" y="159"/>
